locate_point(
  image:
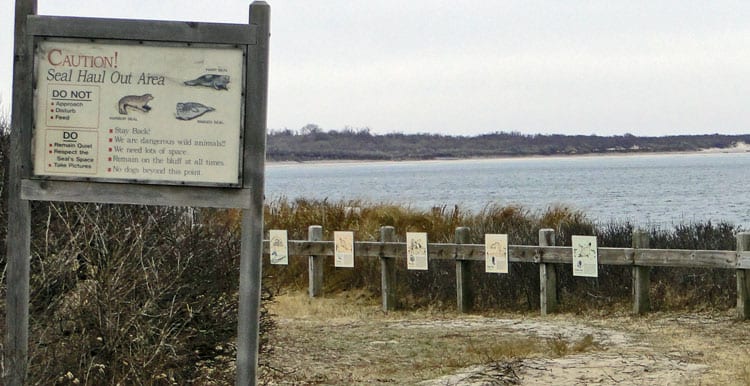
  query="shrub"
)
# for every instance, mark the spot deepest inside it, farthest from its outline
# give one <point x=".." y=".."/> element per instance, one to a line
<point x="132" y="295"/>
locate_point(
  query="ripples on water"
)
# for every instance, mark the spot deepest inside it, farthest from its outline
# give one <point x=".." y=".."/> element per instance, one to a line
<point x="663" y="190"/>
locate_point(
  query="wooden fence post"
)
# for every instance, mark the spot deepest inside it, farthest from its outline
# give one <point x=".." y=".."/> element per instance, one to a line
<point x="743" y="279"/>
<point x="641" y="276"/>
<point x="315" y="263"/>
<point x="464" y="290"/>
<point x="547" y="275"/>
<point x="388" y="271"/>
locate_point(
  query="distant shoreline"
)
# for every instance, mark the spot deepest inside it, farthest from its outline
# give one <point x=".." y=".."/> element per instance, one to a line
<point x="739" y="149"/>
<point x="361" y="146"/>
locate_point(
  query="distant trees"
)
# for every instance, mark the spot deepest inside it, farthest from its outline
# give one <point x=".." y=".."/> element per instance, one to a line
<point x="311" y="142"/>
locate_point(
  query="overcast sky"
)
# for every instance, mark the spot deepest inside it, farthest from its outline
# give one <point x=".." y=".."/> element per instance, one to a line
<point x="645" y="67"/>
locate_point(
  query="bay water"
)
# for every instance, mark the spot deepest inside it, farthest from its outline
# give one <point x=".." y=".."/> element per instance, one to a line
<point x="647" y="190"/>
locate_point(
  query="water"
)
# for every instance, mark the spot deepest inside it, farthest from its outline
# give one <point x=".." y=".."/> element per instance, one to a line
<point x="661" y="190"/>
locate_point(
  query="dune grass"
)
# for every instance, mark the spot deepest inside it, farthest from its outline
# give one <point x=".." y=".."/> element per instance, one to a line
<point x="672" y="287"/>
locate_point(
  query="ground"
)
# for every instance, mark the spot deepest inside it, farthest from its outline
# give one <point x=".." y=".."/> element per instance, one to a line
<point x="347" y="339"/>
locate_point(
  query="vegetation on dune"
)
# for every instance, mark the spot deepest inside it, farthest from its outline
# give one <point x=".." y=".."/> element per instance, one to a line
<point x="147" y="295"/>
<point x="131" y="295"/>
<point x="519" y="290"/>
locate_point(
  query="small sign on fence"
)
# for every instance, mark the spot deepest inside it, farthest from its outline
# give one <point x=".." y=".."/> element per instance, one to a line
<point x="279" y="247"/>
<point x="585" y="261"/>
<point x="496" y="253"/>
<point x="416" y="250"/>
<point x="344" y="249"/>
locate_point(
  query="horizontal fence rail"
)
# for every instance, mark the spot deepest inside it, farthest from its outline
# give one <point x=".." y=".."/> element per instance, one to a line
<point x="639" y="257"/>
<point x="683" y="258"/>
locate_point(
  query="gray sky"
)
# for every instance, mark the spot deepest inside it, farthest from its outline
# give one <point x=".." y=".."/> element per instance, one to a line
<point x="646" y="67"/>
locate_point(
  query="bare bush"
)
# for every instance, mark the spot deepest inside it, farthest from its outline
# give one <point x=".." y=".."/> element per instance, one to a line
<point x="129" y="295"/>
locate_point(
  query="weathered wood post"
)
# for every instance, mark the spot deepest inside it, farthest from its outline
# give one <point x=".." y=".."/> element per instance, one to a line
<point x="315" y="263"/>
<point x="547" y="275"/>
<point x="464" y="289"/>
<point x="251" y="248"/>
<point x="743" y="279"/>
<point x="18" y="238"/>
<point x="388" y="271"/>
<point x="641" y="276"/>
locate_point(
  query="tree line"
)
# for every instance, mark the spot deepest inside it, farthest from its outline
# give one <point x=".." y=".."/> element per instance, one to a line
<point x="312" y="142"/>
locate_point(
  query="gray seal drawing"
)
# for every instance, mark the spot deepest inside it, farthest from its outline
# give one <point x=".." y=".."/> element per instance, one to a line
<point x="218" y="82"/>
<point x="191" y="110"/>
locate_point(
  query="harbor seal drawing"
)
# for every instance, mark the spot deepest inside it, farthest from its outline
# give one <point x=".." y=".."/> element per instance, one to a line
<point x="138" y="102"/>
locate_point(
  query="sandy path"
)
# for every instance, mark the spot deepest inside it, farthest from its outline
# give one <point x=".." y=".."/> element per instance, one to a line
<point x="331" y="341"/>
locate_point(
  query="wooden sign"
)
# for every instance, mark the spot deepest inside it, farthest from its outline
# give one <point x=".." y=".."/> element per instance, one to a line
<point x="137" y="112"/>
<point x="146" y="113"/>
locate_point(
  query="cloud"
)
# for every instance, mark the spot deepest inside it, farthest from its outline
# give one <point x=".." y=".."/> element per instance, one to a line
<point x="469" y="67"/>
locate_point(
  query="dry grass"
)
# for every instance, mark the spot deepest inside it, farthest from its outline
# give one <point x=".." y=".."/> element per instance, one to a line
<point x="346" y="339"/>
<point x="561" y="346"/>
<point x="348" y="306"/>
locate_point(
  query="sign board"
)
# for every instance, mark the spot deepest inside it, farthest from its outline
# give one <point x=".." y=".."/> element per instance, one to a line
<point x="279" y="246"/>
<point x="416" y="251"/>
<point x="585" y="257"/>
<point x="343" y="249"/>
<point x="138" y="113"/>
<point x="496" y="253"/>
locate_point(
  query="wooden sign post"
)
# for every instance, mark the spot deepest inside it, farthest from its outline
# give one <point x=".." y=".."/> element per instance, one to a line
<point x="18" y="242"/>
<point x="137" y="112"/>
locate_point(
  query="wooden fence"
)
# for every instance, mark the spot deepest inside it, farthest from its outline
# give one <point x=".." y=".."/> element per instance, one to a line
<point x="640" y="257"/>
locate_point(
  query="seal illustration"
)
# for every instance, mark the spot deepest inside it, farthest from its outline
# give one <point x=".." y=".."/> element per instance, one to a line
<point x="217" y="82"/>
<point x="138" y="102"/>
<point x="191" y="110"/>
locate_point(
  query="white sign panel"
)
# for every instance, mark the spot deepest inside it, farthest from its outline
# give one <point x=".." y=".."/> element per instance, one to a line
<point x="496" y="253"/>
<point x="135" y="112"/>
<point x="343" y="249"/>
<point x="585" y="258"/>
<point x="416" y="250"/>
<point x="279" y="247"/>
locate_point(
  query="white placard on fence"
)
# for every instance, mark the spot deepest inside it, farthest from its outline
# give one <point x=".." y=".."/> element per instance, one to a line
<point x="416" y="250"/>
<point x="585" y="258"/>
<point x="496" y="253"/>
<point x="344" y="249"/>
<point x="279" y="247"/>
